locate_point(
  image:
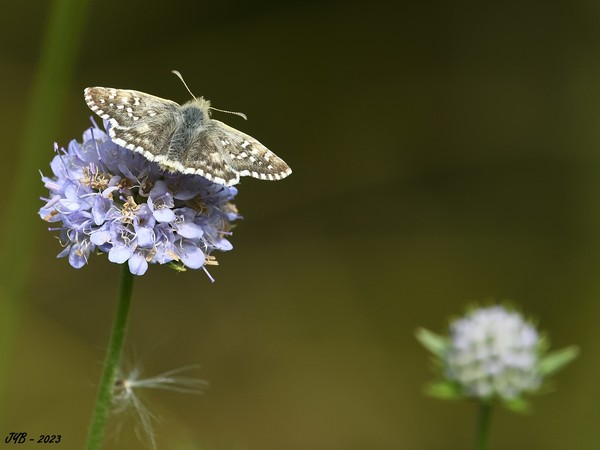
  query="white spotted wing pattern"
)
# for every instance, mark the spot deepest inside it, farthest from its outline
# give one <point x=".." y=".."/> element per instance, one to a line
<point x="183" y="138"/>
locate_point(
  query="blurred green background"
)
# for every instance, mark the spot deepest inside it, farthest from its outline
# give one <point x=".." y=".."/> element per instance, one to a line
<point x="443" y="153"/>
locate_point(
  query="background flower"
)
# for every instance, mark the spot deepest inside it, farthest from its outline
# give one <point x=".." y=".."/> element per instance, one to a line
<point x="492" y="354"/>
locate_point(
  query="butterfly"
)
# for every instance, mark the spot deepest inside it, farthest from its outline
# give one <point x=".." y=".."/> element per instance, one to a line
<point x="183" y="138"/>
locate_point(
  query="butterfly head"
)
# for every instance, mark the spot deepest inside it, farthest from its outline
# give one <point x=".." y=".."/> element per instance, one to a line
<point x="200" y="102"/>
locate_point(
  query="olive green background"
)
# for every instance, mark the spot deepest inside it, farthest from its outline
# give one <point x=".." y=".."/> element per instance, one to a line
<point x="443" y="153"/>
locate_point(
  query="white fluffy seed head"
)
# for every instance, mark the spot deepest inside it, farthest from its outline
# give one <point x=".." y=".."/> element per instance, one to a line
<point x="125" y="396"/>
<point x="493" y="353"/>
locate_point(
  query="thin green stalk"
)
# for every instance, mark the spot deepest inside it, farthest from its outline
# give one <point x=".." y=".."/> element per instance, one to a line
<point x="484" y="418"/>
<point x="111" y="363"/>
<point x="19" y="224"/>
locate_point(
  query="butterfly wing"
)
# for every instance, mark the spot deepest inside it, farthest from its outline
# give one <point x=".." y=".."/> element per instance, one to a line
<point x="241" y="152"/>
<point x="138" y="121"/>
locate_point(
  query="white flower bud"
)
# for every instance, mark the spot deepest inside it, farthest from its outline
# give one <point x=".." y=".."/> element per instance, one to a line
<point x="493" y="353"/>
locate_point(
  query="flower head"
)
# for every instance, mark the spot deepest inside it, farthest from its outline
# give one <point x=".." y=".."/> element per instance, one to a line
<point x="107" y="199"/>
<point x="492" y="353"/>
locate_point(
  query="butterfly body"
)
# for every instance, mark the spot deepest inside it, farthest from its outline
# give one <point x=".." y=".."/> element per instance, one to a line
<point x="183" y="138"/>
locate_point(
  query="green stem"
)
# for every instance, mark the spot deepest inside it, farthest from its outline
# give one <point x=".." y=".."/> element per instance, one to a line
<point x="20" y="229"/>
<point x="484" y="418"/>
<point x="111" y="363"/>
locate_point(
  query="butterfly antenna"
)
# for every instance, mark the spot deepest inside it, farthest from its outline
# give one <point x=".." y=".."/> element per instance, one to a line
<point x="242" y="115"/>
<point x="176" y="72"/>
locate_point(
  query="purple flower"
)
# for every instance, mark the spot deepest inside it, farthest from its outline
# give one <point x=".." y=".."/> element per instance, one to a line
<point x="104" y="198"/>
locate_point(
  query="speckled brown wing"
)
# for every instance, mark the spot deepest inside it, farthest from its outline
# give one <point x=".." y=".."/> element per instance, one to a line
<point x="246" y="155"/>
<point x="138" y="121"/>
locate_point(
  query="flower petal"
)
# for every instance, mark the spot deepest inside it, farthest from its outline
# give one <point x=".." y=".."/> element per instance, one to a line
<point x="138" y="264"/>
<point x="119" y="254"/>
<point x="190" y="230"/>
<point x="77" y="256"/>
<point x="191" y="255"/>
<point x="145" y="237"/>
<point x="100" y="237"/>
<point x="164" y="215"/>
